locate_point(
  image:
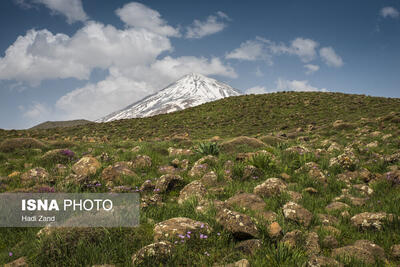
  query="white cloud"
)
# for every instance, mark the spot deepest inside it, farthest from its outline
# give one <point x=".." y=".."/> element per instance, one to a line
<point x="256" y="90"/>
<point x="390" y="12"/>
<point x="213" y="24"/>
<point x="263" y="49"/>
<point x="311" y="68"/>
<point x="140" y="16"/>
<point x="250" y="50"/>
<point x="258" y="72"/>
<point x="71" y="9"/>
<point x="330" y="57"/>
<point x="35" y="111"/>
<point x="295" y="85"/>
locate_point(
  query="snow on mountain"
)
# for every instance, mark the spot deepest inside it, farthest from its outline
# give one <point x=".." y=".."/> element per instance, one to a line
<point x="189" y="91"/>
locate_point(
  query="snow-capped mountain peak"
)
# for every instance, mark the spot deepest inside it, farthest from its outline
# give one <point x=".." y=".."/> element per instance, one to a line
<point x="191" y="90"/>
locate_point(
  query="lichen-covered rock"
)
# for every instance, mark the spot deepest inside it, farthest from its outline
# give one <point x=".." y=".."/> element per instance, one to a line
<point x="240" y="225"/>
<point x="362" y="250"/>
<point x="147" y="186"/>
<point x="175" y="228"/>
<point x="151" y="200"/>
<point x="334" y="206"/>
<point x="209" y="179"/>
<point x="330" y="242"/>
<point x="20" y="262"/>
<point x="168" y="170"/>
<point x="117" y="171"/>
<point x="198" y="170"/>
<point x="156" y="253"/>
<point x="376" y="251"/>
<point x="249" y="247"/>
<point x="195" y="189"/>
<point x="141" y="162"/>
<point x="294" y="196"/>
<point x="86" y="166"/>
<point x="37" y="175"/>
<point x="347" y="160"/>
<point x="271" y="187"/>
<point x="395" y="251"/>
<point x="247" y="201"/>
<point x="297" y="213"/>
<point x="322" y="261"/>
<point x="371" y="220"/>
<point x="293" y="238"/>
<point x="312" y="245"/>
<point x="168" y="182"/>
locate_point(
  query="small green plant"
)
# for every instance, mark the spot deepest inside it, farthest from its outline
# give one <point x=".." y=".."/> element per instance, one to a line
<point x="262" y="161"/>
<point x="208" y="149"/>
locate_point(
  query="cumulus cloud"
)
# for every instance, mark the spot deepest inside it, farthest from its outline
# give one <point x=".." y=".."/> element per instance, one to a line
<point x="140" y="16"/>
<point x="389" y="12"/>
<point x="264" y="49"/>
<point x="295" y="85"/>
<point x="71" y="9"/>
<point x="330" y="57"/>
<point x="311" y="68"/>
<point x="213" y="24"/>
<point x="256" y="90"/>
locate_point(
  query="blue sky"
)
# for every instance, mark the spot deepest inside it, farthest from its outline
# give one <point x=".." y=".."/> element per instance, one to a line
<point x="76" y="59"/>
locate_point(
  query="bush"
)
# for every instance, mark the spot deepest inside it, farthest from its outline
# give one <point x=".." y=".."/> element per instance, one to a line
<point x="208" y="149"/>
<point x="262" y="161"/>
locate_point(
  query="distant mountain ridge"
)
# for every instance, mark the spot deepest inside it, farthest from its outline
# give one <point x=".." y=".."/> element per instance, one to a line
<point x="59" y="124"/>
<point x="189" y="91"/>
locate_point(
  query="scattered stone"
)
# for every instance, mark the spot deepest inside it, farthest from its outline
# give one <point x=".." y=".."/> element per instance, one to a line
<point x="179" y="151"/>
<point x="330" y="242"/>
<point x="141" y="161"/>
<point x="117" y="171"/>
<point x="371" y="220"/>
<point x="294" y="196"/>
<point x="20" y="262"/>
<point x="157" y="253"/>
<point x="347" y="160"/>
<point x="37" y="175"/>
<point x="312" y="245"/>
<point x="168" y="182"/>
<point x="395" y="251"/>
<point x="334" y="206"/>
<point x="354" y="252"/>
<point x="271" y="187"/>
<point x="209" y="179"/>
<point x="357" y="201"/>
<point x="153" y="200"/>
<point x="363" y="189"/>
<point x="310" y="190"/>
<point x="274" y="230"/>
<point x="297" y="213"/>
<point x="249" y="247"/>
<point x="247" y="201"/>
<point x="322" y="261"/>
<point x="86" y="166"/>
<point x="376" y="251"/>
<point x="195" y="189"/>
<point x="174" y="228"/>
<point x="268" y="216"/>
<point x="293" y="238"/>
<point x="240" y="225"/>
<point x="168" y="170"/>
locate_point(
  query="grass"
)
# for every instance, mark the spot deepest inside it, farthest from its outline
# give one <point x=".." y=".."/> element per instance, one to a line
<point x="264" y="117"/>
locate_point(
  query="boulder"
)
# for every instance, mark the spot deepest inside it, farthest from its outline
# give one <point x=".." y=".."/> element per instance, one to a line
<point x="37" y="175"/>
<point x="334" y="206"/>
<point x="322" y="261"/>
<point x="247" y="201"/>
<point x="274" y="230"/>
<point x="168" y="182"/>
<point x="141" y="162"/>
<point x="156" y="253"/>
<point x="271" y="187"/>
<point x="117" y="171"/>
<point x="209" y="179"/>
<point x="312" y="245"/>
<point x="292" y="239"/>
<point x="86" y="166"/>
<point x="249" y="247"/>
<point x="240" y="225"/>
<point x="297" y="213"/>
<point x="195" y="189"/>
<point x="371" y="220"/>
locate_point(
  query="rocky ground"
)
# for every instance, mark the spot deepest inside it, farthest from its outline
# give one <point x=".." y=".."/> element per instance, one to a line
<point x="305" y="196"/>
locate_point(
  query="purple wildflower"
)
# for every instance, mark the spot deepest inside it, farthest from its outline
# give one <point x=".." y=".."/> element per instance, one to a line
<point x="10" y="254"/>
<point x="201" y="236"/>
<point x="218" y="233"/>
<point x="206" y="253"/>
<point x="67" y="152"/>
<point x="202" y="225"/>
<point x="181" y="236"/>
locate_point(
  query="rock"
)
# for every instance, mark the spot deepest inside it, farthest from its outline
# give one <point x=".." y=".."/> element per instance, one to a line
<point x="105" y="157"/>
<point x="271" y="187"/>
<point x="347" y="160"/>
<point x="297" y="213"/>
<point x="60" y="169"/>
<point x="240" y="225"/>
<point x="156" y="253"/>
<point x="20" y="262"/>
<point x="168" y="170"/>
<point x="58" y="156"/>
<point x="86" y="166"/>
<point x="285" y="176"/>
<point x="334" y="147"/>
<point x="199" y="170"/>
<point x="376" y="251"/>
<point x="373" y="144"/>
<point x="153" y="200"/>
<point x="195" y="189"/>
<point x="334" y="206"/>
<point x="322" y="261"/>
<point x="341" y="125"/>
<point x="168" y="182"/>
<point x="310" y="190"/>
<point x="117" y="171"/>
<point x="312" y="245"/>
<point x="330" y="242"/>
<point x="14" y="174"/>
<point x="357" y="201"/>
<point x="268" y="216"/>
<point x="329" y="229"/>
<point x="274" y="230"/>
<point x="37" y="175"/>
<point x="247" y="201"/>
<point x="249" y="247"/>
<point x="371" y="220"/>
<point x="292" y="239"/>
<point x="363" y="189"/>
<point x="251" y="172"/>
<point x="395" y="251"/>
<point x="141" y="161"/>
<point x="393" y="177"/>
<point x="294" y="196"/>
<point x="147" y="186"/>
<point x="175" y="228"/>
<point x="179" y="151"/>
<point x="240" y="263"/>
<point x="209" y="179"/>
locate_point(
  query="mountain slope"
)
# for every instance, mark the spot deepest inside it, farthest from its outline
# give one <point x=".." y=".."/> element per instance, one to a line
<point x="189" y="91"/>
<point x="57" y="124"/>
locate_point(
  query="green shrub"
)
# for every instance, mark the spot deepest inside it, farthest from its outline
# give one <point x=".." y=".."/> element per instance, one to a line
<point x="262" y="161"/>
<point x="208" y="149"/>
<point x="10" y="145"/>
